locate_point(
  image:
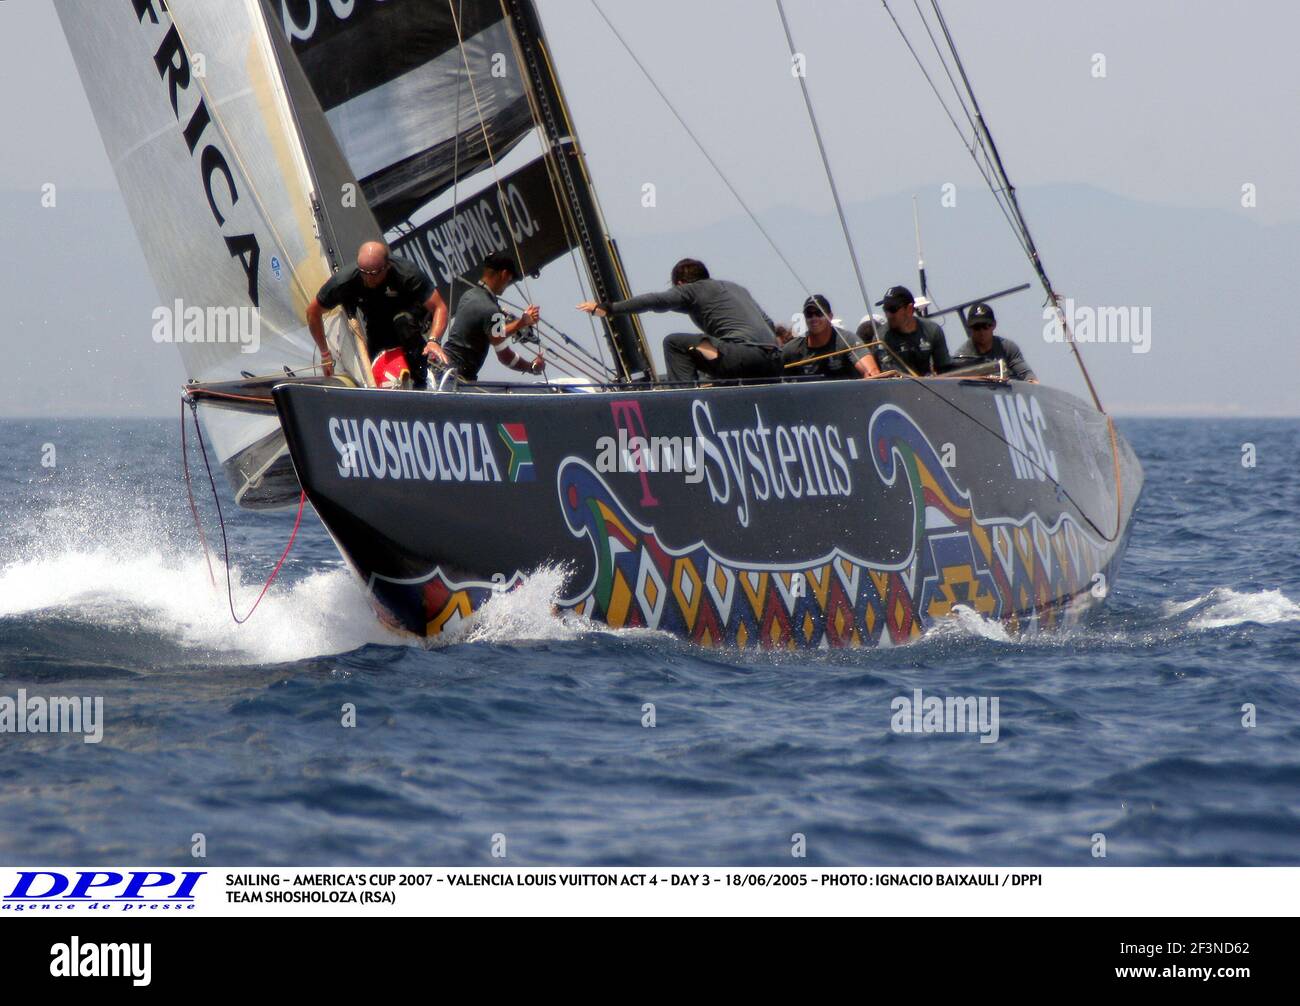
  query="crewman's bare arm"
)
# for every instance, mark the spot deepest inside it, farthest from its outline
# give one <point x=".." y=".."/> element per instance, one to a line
<point x="437" y="307"/>
<point x="867" y="366"/>
<point x="316" y="325"/>
<point x="506" y="355"/>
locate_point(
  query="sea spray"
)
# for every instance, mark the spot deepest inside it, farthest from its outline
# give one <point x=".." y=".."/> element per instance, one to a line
<point x="1224" y="608"/>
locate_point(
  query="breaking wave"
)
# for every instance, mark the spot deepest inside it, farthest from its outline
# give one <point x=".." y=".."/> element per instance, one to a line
<point x="526" y="612"/>
<point x="967" y="622"/>
<point x="153" y="593"/>
<point x="170" y="595"/>
<point x="1224" y="608"/>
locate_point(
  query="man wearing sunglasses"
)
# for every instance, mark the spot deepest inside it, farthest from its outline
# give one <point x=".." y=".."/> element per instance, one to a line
<point x="911" y="343"/>
<point x="399" y="304"/>
<point x="826" y="350"/>
<point x="983" y="345"/>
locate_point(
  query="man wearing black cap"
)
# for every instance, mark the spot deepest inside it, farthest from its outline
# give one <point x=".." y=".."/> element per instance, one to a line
<point x="983" y="345"/>
<point x="480" y="323"/>
<point x="910" y="342"/>
<point x="831" y="352"/>
<point x="738" y="340"/>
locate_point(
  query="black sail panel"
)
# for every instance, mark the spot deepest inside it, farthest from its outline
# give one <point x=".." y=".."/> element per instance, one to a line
<point x="391" y="79"/>
<point x="518" y="216"/>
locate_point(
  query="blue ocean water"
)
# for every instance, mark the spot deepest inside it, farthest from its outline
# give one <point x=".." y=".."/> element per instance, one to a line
<point x="1130" y="726"/>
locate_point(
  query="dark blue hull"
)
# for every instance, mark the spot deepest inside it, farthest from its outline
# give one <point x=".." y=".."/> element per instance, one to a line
<point x="849" y="513"/>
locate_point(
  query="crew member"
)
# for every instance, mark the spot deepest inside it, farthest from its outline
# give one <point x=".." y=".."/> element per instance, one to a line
<point x="910" y="342"/>
<point x="983" y="345"/>
<point x="738" y="340"/>
<point x="480" y="323"/>
<point x="397" y="302"/>
<point x="831" y="351"/>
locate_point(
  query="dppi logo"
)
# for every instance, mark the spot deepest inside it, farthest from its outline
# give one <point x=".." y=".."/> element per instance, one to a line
<point x="102" y="888"/>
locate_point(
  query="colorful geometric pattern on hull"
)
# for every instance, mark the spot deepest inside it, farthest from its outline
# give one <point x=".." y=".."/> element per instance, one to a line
<point x="1021" y="571"/>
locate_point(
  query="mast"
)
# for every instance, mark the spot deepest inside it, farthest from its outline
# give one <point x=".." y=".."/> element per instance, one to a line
<point x="604" y="266"/>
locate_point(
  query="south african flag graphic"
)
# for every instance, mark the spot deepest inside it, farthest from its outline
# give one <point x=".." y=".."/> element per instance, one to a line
<point x="515" y="436"/>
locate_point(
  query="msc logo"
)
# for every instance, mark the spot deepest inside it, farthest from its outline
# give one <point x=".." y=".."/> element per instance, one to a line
<point x="99" y="888"/>
<point x="1025" y="431"/>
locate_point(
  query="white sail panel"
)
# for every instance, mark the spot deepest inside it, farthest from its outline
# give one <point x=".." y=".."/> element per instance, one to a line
<point x="192" y="111"/>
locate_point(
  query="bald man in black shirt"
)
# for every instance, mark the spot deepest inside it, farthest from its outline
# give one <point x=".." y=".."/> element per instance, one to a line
<point x="397" y="302"/>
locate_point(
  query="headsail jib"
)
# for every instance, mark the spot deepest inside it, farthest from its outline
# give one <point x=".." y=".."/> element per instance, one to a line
<point x="196" y="118"/>
<point x="210" y="159"/>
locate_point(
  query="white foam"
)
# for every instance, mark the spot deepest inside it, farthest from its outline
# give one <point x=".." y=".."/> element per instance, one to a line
<point x="1224" y="607"/>
<point x="172" y="596"/>
<point x="528" y="612"/>
<point x="966" y="621"/>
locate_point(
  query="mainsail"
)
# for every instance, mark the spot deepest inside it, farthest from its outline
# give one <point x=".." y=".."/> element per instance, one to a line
<point x="427" y="98"/>
<point x="392" y="81"/>
<point x="194" y="109"/>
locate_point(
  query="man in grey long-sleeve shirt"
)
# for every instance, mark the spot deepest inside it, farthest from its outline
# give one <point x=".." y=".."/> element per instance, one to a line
<point x="738" y="340"/>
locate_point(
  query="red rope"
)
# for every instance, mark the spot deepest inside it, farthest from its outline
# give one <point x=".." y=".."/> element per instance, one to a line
<point x="225" y="544"/>
<point x="302" y="502"/>
<point x="189" y="491"/>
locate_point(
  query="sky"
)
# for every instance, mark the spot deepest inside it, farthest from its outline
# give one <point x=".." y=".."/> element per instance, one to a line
<point x="1161" y="111"/>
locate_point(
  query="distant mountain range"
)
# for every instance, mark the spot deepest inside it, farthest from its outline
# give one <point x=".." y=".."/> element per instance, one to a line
<point x="1217" y="284"/>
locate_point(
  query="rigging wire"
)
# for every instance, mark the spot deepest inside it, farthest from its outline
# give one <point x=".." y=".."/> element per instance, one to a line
<point x="572" y="343"/>
<point x="702" y="149"/>
<point x="1037" y="464"/>
<point x="993" y="170"/>
<point x="996" y="160"/>
<point x="542" y="56"/>
<point x="826" y="164"/>
<point x="1004" y="194"/>
<point x="487" y="143"/>
<point x="972" y="146"/>
<point x="455" y="177"/>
